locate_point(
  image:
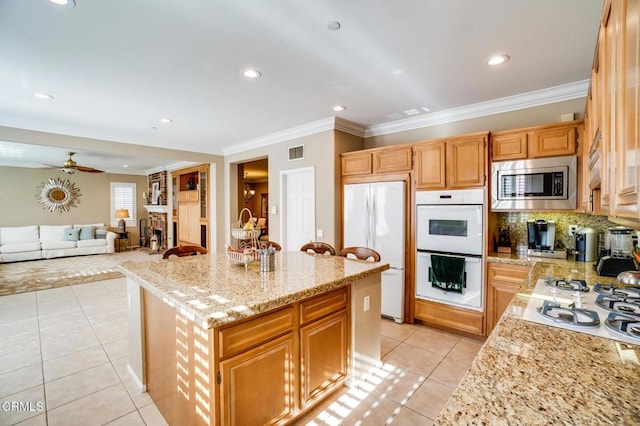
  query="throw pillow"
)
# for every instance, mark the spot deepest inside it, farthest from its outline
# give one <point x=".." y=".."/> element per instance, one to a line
<point x="101" y="233"/>
<point x="71" y="234"/>
<point x="86" y="233"/>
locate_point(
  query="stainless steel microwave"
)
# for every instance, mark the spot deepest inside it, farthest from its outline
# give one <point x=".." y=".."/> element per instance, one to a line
<point x="538" y="184"/>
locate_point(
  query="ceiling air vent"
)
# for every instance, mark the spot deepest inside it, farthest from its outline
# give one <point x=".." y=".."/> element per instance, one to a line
<point x="296" y="152"/>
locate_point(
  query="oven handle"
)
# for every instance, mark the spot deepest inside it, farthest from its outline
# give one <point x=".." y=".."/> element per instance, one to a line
<point x="468" y="257"/>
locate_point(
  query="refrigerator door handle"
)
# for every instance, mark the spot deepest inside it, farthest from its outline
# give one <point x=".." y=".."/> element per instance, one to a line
<point x="368" y="221"/>
<point x="373" y="222"/>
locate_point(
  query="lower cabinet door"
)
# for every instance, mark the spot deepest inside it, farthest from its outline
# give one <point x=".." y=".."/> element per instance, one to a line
<point x="323" y="356"/>
<point x="257" y="387"/>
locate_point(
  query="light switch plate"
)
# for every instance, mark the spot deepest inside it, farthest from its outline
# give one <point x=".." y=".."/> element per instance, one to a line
<point x="319" y="233"/>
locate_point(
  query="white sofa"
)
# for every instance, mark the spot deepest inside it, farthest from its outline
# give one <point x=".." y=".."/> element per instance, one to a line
<point x="48" y="241"/>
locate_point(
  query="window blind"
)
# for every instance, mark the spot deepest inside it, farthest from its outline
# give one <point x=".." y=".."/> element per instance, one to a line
<point x="123" y="196"/>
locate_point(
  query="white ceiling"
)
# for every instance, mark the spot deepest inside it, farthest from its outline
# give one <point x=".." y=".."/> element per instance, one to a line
<point x="116" y="67"/>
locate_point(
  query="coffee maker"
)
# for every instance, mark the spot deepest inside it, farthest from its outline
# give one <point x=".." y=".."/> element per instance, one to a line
<point x="541" y="235"/>
<point x="616" y="256"/>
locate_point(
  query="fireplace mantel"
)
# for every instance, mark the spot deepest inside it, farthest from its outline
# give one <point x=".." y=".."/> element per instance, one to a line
<point x="152" y="208"/>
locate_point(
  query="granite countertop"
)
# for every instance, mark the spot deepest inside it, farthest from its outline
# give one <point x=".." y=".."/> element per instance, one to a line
<point x="214" y="290"/>
<point x="529" y="373"/>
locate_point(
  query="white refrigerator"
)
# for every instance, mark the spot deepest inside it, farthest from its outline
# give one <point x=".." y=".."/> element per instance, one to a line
<point x="374" y="217"/>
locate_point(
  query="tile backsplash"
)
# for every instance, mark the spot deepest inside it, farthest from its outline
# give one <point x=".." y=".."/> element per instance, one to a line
<point x="517" y="224"/>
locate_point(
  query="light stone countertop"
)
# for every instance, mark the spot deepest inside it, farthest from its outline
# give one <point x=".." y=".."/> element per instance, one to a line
<point x="214" y="290"/>
<point x="528" y="373"/>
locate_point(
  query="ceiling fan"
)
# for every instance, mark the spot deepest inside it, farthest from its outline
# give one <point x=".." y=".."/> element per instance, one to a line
<point x="71" y="166"/>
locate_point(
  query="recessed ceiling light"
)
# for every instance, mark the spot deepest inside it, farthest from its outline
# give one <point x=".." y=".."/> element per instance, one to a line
<point x="497" y="60"/>
<point x="166" y="120"/>
<point x="339" y="108"/>
<point x="65" y="3"/>
<point x="252" y="73"/>
<point x="42" y="96"/>
<point x="333" y="25"/>
<point x="125" y="165"/>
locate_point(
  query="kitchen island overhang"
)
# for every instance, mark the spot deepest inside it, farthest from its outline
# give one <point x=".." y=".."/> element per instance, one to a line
<point x="308" y="301"/>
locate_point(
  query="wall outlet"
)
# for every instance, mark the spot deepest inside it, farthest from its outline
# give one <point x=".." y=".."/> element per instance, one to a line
<point x="319" y="233"/>
<point x="367" y="303"/>
<point x="572" y="229"/>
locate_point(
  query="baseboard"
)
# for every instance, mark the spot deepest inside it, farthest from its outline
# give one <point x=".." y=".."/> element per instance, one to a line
<point x="136" y="379"/>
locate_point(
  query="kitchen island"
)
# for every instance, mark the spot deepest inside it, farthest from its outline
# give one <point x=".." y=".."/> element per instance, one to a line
<point x="528" y="373"/>
<point x="215" y="343"/>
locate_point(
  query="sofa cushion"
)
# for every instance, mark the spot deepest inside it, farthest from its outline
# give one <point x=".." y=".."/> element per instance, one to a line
<point x="87" y="232"/>
<point x="20" y="247"/>
<point x="71" y="234"/>
<point x="57" y="245"/>
<point x="19" y="234"/>
<point x="92" y="243"/>
<point x="52" y="232"/>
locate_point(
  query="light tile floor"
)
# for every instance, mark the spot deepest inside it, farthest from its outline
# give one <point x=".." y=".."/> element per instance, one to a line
<point x="63" y="358"/>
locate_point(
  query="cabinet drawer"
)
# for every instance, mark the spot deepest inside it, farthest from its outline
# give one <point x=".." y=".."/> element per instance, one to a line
<point x="392" y="160"/>
<point x="322" y="305"/>
<point x="464" y="320"/>
<point x="514" y="274"/>
<point x="243" y="336"/>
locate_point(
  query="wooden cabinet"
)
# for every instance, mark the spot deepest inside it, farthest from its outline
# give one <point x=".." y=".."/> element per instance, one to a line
<point x="323" y="356"/>
<point x="377" y="161"/>
<point x="358" y="163"/>
<point x="554" y="142"/>
<point x="324" y="339"/>
<point x="431" y="165"/>
<point x="550" y="140"/>
<point x="458" y="162"/>
<point x="613" y="113"/>
<point x="192" y="208"/>
<point x="257" y="386"/>
<point x="510" y="146"/>
<point x="627" y="142"/>
<point x="503" y="282"/>
<point x="464" y="320"/>
<point x="392" y="160"/>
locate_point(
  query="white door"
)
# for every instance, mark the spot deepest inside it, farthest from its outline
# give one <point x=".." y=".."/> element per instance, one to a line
<point x="298" y="215"/>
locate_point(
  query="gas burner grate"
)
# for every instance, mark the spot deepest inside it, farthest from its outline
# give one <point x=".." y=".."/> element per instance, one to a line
<point x="568" y="315"/>
<point x="625" y="305"/>
<point x="617" y="290"/>
<point x="624" y="324"/>
<point x="557" y="284"/>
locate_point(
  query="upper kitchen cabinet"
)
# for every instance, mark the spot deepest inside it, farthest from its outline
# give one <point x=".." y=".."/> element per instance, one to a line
<point x="613" y="113"/>
<point x="377" y="161"/>
<point x="551" y="140"/>
<point x="458" y="162"/>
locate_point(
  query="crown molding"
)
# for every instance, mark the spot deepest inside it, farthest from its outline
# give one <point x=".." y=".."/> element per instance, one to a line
<point x="349" y="127"/>
<point x="550" y="95"/>
<point x="171" y="167"/>
<point x="281" y="136"/>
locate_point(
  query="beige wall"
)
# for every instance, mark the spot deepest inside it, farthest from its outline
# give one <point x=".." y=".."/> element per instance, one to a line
<point x="20" y="207"/>
<point x="535" y="116"/>
<point x="319" y="153"/>
<point x="172" y="156"/>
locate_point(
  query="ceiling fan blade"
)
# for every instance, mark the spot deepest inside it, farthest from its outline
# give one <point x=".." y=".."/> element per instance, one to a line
<point x="88" y="169"/>
<point x="50" y="166"/>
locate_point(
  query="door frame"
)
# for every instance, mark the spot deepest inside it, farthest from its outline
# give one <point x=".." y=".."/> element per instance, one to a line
<point x="284" y="175"/>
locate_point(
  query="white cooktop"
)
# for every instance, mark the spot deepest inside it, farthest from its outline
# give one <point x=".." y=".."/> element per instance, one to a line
<point x="543" y="292"/>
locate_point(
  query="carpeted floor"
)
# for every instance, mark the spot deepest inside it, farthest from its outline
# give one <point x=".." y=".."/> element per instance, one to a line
<point x="23" y="277"/>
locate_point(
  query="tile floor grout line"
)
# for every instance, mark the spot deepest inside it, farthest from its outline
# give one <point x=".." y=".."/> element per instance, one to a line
<point x="44" y="387"/>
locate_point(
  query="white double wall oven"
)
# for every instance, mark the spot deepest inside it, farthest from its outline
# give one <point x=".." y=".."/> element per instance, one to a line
<point x="449" y="247"/>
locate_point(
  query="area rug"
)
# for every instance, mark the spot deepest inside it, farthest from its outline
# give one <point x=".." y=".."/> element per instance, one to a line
<point x="34" y="275"/>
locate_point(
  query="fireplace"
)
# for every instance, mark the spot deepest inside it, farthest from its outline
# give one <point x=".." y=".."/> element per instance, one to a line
<point x="158" y="228"/>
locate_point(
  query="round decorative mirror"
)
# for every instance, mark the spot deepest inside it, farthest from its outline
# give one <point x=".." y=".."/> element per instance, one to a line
<point x="58" y="195"/>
